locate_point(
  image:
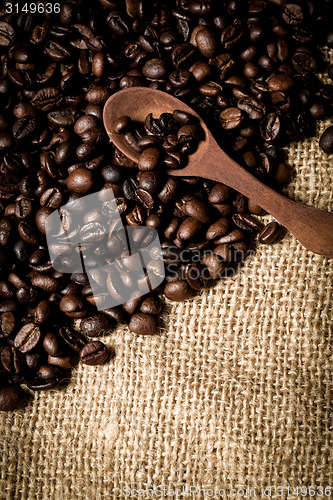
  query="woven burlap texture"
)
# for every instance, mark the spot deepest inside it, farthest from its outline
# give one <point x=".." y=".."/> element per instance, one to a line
<point x="235" y="392"/>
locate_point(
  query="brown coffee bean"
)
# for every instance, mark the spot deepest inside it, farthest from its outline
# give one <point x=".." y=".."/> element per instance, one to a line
<point x="219" y="193"/>
<point x="149" y="159"/>
<point x="178" y="291"/>
<point x="245" y="222"/>
<point x="52" y="344"/>
<point x="143" y="324"/>
<point x="64" y="362"/>
<point x="218" y="229"/>
<point x="198" y="210"/>
<point x="326" y="141"/>
<point x="46" y="283"/>
<point x="188" y="228"/>
<point x="96" y="325"/>
<point x="206" y="43"/>
<point x="155" y="69"/>
<point x="7" y="324"/>
<point x="269" y="233"/>
<point x="282" y="81"/>
<point x="80" y="180"/>
<point x="215" y="265"/>
<point x="94" y="353"/>
<point x="151" y="305"/>
<point x="72" y="338"/>
<point x="224" y="252"/>
<point x="42" y="312"/>
<point x="11" y="397"/>
<point x="28" y="337"/>
<point x="230" y="118"/>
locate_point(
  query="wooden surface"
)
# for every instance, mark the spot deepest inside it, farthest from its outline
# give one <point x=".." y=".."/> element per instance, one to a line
<point x="312" y="227"/>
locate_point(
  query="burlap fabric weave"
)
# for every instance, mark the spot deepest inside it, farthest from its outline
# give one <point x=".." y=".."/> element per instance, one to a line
<point x="235" y="393"/>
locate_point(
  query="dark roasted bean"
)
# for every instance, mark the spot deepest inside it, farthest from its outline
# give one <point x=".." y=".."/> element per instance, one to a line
<point x="143" y="324"/>
<point x="28" y="337"/>
<point x="269" y="233"/>
<point x="94" y="353"/>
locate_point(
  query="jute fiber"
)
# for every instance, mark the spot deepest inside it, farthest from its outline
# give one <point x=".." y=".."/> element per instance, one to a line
<point x="235" y="393"/>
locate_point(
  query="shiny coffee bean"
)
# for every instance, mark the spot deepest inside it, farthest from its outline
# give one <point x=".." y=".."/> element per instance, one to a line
<point x="143" y="324"/>
<point x="94" y="353"/>
<point x="269" y="233"/>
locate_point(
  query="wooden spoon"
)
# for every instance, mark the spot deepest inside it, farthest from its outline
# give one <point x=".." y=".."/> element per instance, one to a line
<point x="311" y="226"/>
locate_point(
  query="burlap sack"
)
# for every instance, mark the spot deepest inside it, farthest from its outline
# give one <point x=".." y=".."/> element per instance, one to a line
<point x="234" y="394"/>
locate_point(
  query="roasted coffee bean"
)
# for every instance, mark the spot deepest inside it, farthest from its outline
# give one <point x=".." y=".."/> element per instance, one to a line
<point x="151" y="305"/>
<point x="52" y="344"/>
<point x="7" y="34"/>
<point x="46" y="283"/>
<point x="244" y="222"/>
<point x="230" y="118"/>
<point x="269" y="233"/>
<point x="218" y="229"/>
<point x="7" y="324"/>
<point x="72" y="338"/>
<point x="96" y="325"/>
<point x="11" y="397"/>
<point x="12" y="360"/>
<point x="215" y="265"/>
<point x="80" y="180"/>
<point x="94" y="353"/>
<point x="149" y="159"/>
<point x="326" y="141"/>
<point x="188" y="228"/>
<point x="42" y="312"/>
<point x="253" y="107"/>
<point x="198" y="210"/>
<point x="143" y="324"/>
<point x="39" y="384"/>
<point x="195" y="276"/>
<point x="178" y="291"/>
<point x="63" y="362"/>
<point x="28" y="337"/>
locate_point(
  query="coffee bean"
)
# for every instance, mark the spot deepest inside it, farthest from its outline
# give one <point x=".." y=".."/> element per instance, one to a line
<point x="280" y="82"/>
<point x="11" y="397"/>
<point x="269" y="233"/>
<point x="245" y="222"/>
<point x="326" y="141"/>
<point x="46" y="283"/>
<point x="254" y="108"/>
<point x="143" y="324"/>
<point x="96" y="325"/>
<point x="215" y="265"/>
<point x="198" y="210"/>
<point x="218" y="229"/>
<point x="7" y="34"/>
<point x="230" y="118"/>
<point x="52" y="344"/>
<point x="7" y="324"/>
<point x="94" y="353"/>
<point x="63" y="362"/>
<point x="28" y="337"/>
<point x="178" y="291"/>
<point x="149" y="159"/>
<point x="42" y="312"/>
<point x="80" y="180"/>
<point x="73" y="339"/>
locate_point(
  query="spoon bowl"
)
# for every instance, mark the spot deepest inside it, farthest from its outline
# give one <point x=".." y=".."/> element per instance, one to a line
<point x="311" y="226"/>
<point x="140" y="103"/>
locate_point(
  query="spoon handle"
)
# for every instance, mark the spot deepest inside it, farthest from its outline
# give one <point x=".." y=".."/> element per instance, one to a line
<point x="311" y="226"/>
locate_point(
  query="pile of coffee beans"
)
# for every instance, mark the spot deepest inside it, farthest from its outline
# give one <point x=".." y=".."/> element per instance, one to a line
<point x="246" y="66"/>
